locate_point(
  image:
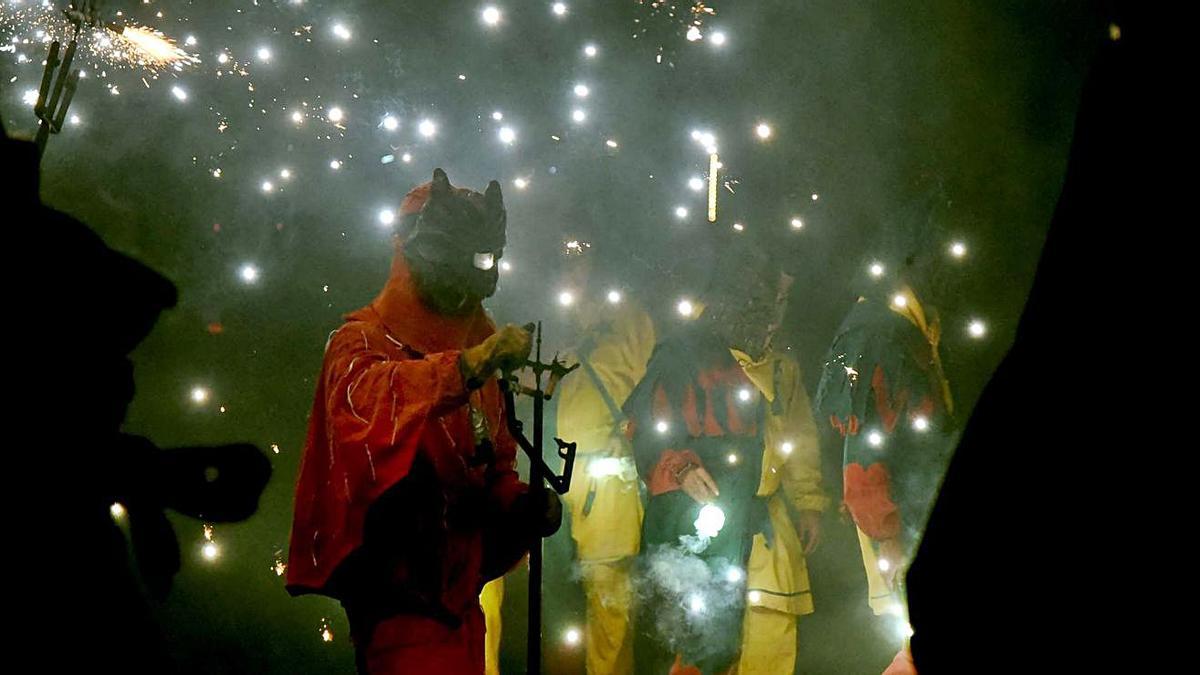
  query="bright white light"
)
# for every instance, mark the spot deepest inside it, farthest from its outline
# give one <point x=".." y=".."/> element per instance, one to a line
<point x="685" y="308"/>
<point x="977" y="329"/>
<point x="604" y="467"/>
<point x="708" y="139"/>
<point x="559" y="8"/>
<point x="763" y="131"/>
<point x="884" y="565"/>
<point x="520" y="183"/>
<point x="507" y="135"/>
<point x="406" y="158"/>
<point x="693" y="34"/>
<point x="387" y="216"/>
<point x="190" y="40"/>
<point x="572" y="637"/>
<point x="921" y="423"/>
<point x="117" y="511"/>
<point x="249" y="273"/>
<point x="297" y="116"/>
<point x="590" y="50"/>
<point x="578" y="115"/>
<point x="611" y="143"/>
<point x="786" y="447"/>
<point x="222" y="58"/>
<point x="958" y="249"/>
<point x="285" y="174"/>
<point x="497" y="115"/>
<point x="732" y="458"/>
<point x="904" y="630"/>
<point x="875" y="439"/>
<point x="876" y="269"/>
<point x="427" y="128"/>
<point x="341" y="31"/>
<point x="581" y="90"/>
<point x="734" y="575"/>
<point x="696" y="603"/>
<point x="661" y="426"/>
<point x="210" y="551"/>
<point x="336" y="115"/>
<point x="267" y="186"/>
<point x="738" y="227"/>
<point x="335" y="164"/>
<point x="899" y="300"/>
<point x="179" y="93"/>
<point x="75" y="120"/>
<point x="390" y="123"/>
<point x="797" y="223"/>
<point x="566" y="298"/>
<point x="744" y="394"/>
<point x="505" y="266"/>
<point x="815" y="196"/>
<point x="696" y="183"/>
<point x="710" y="521"/>
<point x="681" y="212"/>
<point x="614" y="296"/>
<point x="491" y="16"/>
<point x="754" y="597"/>
<point x="199" y="395"/>
<point x="264" y="54"/>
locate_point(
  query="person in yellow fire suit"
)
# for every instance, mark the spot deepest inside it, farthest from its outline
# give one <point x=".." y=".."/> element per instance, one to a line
<point x="722" y="424"/>
<point x="615" y="339"/>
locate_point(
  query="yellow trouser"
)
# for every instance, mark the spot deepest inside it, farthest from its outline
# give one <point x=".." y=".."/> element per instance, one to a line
<point x="768" y="643"/>
<point x="609" y="634"/>
<point x="490" y="600"/>
<point x="881" y="598"/>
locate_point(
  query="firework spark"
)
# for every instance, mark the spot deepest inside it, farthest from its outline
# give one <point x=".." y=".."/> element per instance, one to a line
<point x="150" y="49"/>
<point x="108" y="45"/>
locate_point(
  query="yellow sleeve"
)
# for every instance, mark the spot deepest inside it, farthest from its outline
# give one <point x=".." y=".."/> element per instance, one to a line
<point x="797" y="432"/>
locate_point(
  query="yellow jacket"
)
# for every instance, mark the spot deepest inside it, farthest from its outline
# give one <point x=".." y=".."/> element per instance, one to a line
<point x="604" y="505"/>
<point x="777" y="576"/>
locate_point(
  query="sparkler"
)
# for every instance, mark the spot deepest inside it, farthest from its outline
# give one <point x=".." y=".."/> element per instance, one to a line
<point x="714" y="167"/>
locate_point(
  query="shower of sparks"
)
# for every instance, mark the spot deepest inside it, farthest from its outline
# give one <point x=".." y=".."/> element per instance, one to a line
<point x="149" y="49"/>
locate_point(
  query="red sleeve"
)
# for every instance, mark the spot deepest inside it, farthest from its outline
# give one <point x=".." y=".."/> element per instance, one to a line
<point x="379" y="405"/>
<point x="505" y="483"/>
<point x="868" y="498"/>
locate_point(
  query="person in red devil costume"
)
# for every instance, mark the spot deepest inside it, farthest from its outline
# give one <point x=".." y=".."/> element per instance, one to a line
<point x="408" y="499"/>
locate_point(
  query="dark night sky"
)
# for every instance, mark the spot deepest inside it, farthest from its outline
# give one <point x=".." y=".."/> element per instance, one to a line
<point x="869" y="103"/>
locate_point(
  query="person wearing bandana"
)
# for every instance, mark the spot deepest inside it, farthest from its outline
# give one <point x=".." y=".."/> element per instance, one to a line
<point x="408" y="500"/>
<point x="726" y="444"/>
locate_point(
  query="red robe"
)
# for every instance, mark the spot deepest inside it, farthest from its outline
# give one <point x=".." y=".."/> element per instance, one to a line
<point x="391" y="400"/>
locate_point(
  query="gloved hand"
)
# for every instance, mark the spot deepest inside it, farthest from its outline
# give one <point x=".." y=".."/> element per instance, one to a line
<point x="508" y="348"/>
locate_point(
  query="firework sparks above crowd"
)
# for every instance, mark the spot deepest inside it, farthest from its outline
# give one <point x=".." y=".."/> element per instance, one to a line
<point x="286" y="133"/>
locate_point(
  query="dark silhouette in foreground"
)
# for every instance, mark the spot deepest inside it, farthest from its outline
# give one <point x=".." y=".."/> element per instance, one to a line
<point x="90" y="573"/>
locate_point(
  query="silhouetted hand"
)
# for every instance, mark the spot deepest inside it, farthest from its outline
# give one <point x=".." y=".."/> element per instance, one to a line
<point x="809" y="527"/>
